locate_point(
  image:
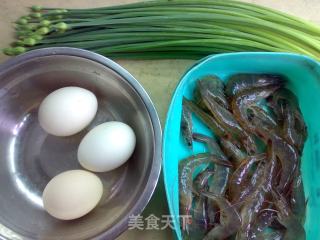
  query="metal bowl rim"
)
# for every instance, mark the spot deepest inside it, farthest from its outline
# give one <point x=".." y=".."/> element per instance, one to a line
<point x="153" y="177"/>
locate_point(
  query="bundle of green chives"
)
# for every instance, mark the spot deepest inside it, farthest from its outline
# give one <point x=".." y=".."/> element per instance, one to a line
<point x="160" y="29"/>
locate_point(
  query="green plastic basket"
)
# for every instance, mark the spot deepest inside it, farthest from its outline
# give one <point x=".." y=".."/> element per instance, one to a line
<point x="303" y="75"/>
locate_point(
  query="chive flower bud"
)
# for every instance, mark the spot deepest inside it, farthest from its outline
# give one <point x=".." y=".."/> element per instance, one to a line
<point x="45" y="23"/>
<point x="36" y="8"/>
<point x="61" y="26"/>
<point x="43" y="31"/>
<point x="29" y="41"/>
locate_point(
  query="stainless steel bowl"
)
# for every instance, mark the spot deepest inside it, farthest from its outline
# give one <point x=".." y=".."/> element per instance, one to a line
<point x="29" y="157"/>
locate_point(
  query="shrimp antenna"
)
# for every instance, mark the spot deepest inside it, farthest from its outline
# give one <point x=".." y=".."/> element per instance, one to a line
<point x="269" y="209"/>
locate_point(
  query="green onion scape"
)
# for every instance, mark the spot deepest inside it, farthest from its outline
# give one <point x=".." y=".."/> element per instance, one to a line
<point x="188" y="29"/>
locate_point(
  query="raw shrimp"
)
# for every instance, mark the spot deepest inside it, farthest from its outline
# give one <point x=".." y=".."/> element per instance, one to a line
<point x="230" y="220"/>
<point x="287" y="154"/>
<point x="264" y="220"/>
<point x="200" y="183"/>
<point x="289" y="158"/>
<point x="242" y="101"/>
<point x="221" y="175"/>
<point x="211" y="143"/>
<point x="220" y="178"/>
<point x="259" y="131"/>
<point x="186" y="168"/>
<point x="256" y="201"/>
<point x="223" y="117"/>
<point x="263" y="117"/>
<point x="280" y="99"/>
<point x="239" y="180"/>
<point x="286" y="105"/>
<point x="213" y="86"/>
<point x="297" y="199"/>
<point x="241" y="82"/>
<point x="210" y="122"/>
<point x="256" y="179"/>
<point x="294" y="229"/>
<point x="294" y="130"/>
<point x="186" y="124"/>
<point x="199" y="224"/>
<point x="227" y="121"/>
<point x="232" y="151"/>
<point x="199" y="213"/>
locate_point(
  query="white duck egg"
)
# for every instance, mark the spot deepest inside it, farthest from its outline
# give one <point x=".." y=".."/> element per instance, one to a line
<point x="107" y="146"/>
<point x="72" y="194"/>
<point x="67" y="111"/>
